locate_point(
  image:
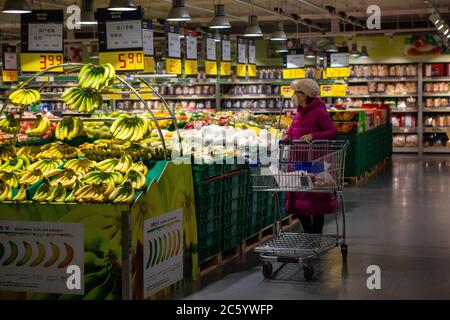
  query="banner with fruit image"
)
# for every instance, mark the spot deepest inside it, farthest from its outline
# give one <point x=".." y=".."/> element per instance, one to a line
<point x="34" y="256"/>
<point x="97" y="227"/>
<point x="171" y="190"/>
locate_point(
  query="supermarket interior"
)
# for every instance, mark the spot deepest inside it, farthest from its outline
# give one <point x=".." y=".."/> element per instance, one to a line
<point x="224" y="149"/>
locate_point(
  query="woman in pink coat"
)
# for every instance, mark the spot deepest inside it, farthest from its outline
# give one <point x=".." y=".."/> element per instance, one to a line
<point x="312" y="122"/>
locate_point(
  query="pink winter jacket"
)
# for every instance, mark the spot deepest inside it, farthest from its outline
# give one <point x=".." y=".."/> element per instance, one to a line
<point x="312" y="119"/>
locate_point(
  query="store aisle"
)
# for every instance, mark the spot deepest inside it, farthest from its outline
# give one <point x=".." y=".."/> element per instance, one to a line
<point x="399" y="220"/>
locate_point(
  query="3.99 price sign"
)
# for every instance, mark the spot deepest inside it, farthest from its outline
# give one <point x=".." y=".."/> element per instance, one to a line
<point x="35" y="62"/>
<point x="123" y="60"/>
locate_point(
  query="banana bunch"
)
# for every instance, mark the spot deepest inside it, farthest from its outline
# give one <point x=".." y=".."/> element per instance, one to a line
<point x="83" y="165"/>
<point x="99" y="177"/>
<point x="15" y="164"/>
<point x="69" y="128"/>
<point x="25" y="97"/>
<point x="107" y="165"/>
<point x="21" y="195"/>
<point x="5" y="191"/>
<point x="30" y="176"/>
<point x="96" y="77"/>
<point x="128" y="127"/>
<point x="9" y="124"/>
<point x="29" y="152"/>
<point x="7" y="152"/>
<point x="67" y="178"/>
<point x="71" y="196"/>
<point x="45" y="192"/>
<point x="57" y="150"/>
<point x="94" y="193"/>
<point x="10" y="178"/>
<point x="40" y="127"/>
<point x="124" y="193"/>
<point x="45" y="164"/>
<point x="82" y="100"/>
<point x="125" y="162"/>
<point x="136" y="178"/>
<point x="139" y="167"/>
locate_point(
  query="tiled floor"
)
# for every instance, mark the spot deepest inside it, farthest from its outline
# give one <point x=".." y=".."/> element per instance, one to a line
<point x="398" y="220"/>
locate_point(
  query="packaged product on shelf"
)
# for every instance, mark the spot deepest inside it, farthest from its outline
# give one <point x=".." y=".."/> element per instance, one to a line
<point x="398" y="140"/>
<point x="390" y="89"/>
<point x="367" y="71"/>
<point x="411" y="140"/>
<point x="392" y="71"/>
<point x="381" y="87"/>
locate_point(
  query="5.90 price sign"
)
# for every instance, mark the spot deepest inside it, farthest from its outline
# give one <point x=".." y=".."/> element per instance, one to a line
<point x="123" y="60"/>
<point x="35" y="62"/>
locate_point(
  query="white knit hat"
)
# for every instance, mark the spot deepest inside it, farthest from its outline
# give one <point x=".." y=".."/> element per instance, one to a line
<point x="308" y="86"/>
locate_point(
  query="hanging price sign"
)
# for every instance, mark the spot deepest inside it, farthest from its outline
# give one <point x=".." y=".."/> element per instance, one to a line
<point x="211" y="68"/>
<point x="226" y="48"/>
<point x="340" y="59"/>
<point x="297" y="73"/>
<point x="10" y="67"/>
<point x="173" y="42"/>
<point x="190" y="67"/>
<point x="149" y="64"/>
<point x="147" y="37"/>
<point x="173" y="66"/>
<point x="225" y="68"/>
<point x="295" y="61"/>
<point x="123" y="60"/>
<point x="333" y="90"/>
<point x="241" y="70"/>
<point x="343" y="72"/>
<point x="35" y="62"/>
<point x="286" y="91"/>
<point x="251" y="70"/>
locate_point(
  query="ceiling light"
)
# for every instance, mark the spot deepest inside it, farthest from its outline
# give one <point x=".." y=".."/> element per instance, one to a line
<point x="440" y="25"/>
<point x="278" y="34"/>
<point x="122" y="5"/>
<point x="446" y="31"/>
<point x="87" y="14"/>
<point x="331" y="46"/>
<point x="253" y="29"/>
<point x="364" y="53"/>
<point x="282" y="49"/>
<point x="178" y="12"/>
<point x="220" y="21"/>
<point x="354" y="53"/>
<point x="310" y="53"/>
<point x="217" y="37"/>
<point x="435" y="18"/>
<point x="16" y="7"/>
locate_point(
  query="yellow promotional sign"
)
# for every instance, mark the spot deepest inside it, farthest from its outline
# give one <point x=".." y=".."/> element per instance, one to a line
<point x="225" y="68"/>
<point x="286" y="91"/>
<point x="145" y="96"/>
<point x="333" y="90"/>
<point x="211" y="68"/>
<point x="35" y="62"/>
<point x="123" y="60"/>
<point x="241" y="70"/>
<point x="173" y="66"/>
<point x="149" y="64"/>
<point x="10" y="75"/>
<point x="190" y="67"/>
<point x="295" y="73"/>
<point x="251" y="69"/>
<point x="343" y="72"/>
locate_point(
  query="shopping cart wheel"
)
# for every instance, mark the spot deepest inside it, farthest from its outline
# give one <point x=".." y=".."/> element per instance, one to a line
<point x="267" y="270"/>
<point x="344" y="251"/>
<point x="308" y="271"/>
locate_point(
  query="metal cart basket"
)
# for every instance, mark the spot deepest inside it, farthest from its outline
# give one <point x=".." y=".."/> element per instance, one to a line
<point x="302" y="166"/>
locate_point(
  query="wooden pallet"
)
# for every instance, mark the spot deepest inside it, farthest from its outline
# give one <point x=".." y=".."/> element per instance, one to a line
<point x="367" y="174"/>
<point x="246" y="245"/>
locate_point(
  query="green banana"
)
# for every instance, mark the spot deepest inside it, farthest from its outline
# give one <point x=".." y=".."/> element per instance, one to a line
<point x="101" y="292"/>
<point x="13" y="254"/>
<point x="26" y="256"/>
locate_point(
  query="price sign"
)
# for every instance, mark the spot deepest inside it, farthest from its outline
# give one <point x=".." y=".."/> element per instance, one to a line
<point x="124" y="34"/>
<point x="286" y="91"/>
<point x="173" y="66"/>
<point x="340" y="59"/>
<point x="297" y="73"/>
<point x="251" y="69"/>
<point x="149" y="64"/>
<point x="241" y="70"/>
<point x="10" y="75"/>
<point x="123" y="60"/>
<point x="338" y="72"/>
<point x="333" y="90"/>
<point x="252" y="52"/>
<point x="242" y="51"/>
<point x="35" y="62"/>
<point x="147" y="41"/>
<point x="226" y="49"/>
<point x="191" y="47"/>
<point x="190" y="67"/>
<point x="211" y="68"/>
<point x="9" y="57"/>
<point x="295" y="61"/>
<point x="45" y="37"/>
<point x="225" y="68"/>
<point x="210" y="48"/>
<point x="173" y="43"/>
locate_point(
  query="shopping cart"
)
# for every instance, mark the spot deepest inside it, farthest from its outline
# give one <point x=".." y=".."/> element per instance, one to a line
<point x="302" y="166"/>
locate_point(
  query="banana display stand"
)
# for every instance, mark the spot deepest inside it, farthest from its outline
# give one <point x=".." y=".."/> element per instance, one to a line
<point x="72" y="251"/>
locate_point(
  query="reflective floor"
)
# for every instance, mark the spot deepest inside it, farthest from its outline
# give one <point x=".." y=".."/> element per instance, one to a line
<point x="399" y="220"/>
